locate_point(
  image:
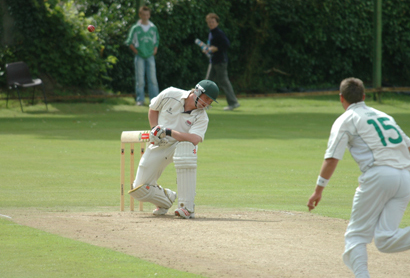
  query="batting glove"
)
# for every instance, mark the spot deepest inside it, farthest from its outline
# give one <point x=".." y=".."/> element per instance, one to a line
<point x="156" y="134"/>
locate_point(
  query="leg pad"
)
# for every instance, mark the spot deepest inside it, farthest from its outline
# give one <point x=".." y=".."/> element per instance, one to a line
<point x="185" y="161"/>
<point x="155" y="194"/>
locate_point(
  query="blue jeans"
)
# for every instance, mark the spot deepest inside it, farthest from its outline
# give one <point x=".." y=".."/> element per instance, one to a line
<point x="147" y="65"/>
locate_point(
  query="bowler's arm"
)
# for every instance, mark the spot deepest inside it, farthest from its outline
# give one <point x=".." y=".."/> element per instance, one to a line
<point x="328" y="167"/>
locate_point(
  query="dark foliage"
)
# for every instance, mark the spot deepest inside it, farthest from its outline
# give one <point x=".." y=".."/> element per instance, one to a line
<point x="275" y="44"/>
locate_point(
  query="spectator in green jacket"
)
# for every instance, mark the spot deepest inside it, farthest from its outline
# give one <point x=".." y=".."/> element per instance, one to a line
<point x="143" y="40"/>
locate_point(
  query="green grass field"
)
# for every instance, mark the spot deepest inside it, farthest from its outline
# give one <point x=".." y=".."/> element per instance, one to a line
<point x="265" y="155"/>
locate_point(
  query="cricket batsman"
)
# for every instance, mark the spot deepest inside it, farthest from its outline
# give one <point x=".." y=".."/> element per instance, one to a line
<point x="179" y="122"/>
<point x="382" y="151"/>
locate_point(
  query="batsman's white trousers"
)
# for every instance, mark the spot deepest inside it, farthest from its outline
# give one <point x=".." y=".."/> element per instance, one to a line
<point x="153" y="163"/>
<point x="378" y="207"/>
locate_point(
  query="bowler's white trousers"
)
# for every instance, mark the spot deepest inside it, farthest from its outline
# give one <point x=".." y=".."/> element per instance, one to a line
<point x="378" y="207"/>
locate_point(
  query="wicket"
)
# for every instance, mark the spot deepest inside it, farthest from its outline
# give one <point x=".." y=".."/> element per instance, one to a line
<point x="131" y="137"/>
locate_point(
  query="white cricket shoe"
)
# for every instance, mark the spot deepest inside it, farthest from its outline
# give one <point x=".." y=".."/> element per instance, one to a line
<point x="183" y="213"/>
<point x="159" y="211"/>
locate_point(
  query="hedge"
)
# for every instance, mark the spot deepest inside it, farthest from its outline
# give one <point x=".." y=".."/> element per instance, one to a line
<point x="275" y="44"/>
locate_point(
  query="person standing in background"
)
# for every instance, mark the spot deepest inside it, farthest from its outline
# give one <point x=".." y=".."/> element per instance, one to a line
<point x="219" y="45"/>
<point x="143" y="40"/>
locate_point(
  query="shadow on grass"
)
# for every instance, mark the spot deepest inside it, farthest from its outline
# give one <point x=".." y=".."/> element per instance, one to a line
<point x="82" y="121"/>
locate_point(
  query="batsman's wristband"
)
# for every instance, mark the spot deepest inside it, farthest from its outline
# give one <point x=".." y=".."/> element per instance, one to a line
<point x="322" y="181"/>
<point x="168" y="132"/>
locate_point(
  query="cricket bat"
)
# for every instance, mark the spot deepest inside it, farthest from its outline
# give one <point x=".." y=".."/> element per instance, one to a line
<point x="135" y="136"/>
<point x="204" y="47"/>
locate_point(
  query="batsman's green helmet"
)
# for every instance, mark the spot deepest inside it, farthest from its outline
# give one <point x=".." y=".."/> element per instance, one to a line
<point x="208" y="88"/>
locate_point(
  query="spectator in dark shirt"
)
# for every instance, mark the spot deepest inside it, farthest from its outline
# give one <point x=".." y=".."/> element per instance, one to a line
<point x="219" y="45"/>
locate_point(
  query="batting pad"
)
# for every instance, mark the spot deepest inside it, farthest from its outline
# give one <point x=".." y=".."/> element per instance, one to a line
<point x="155" y="194"/>
<point x="185" y="161"/>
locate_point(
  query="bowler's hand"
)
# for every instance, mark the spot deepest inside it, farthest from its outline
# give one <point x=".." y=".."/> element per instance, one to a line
<point x="314" y="200"/>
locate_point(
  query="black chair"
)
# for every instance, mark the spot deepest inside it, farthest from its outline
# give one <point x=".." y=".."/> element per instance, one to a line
<point x="18" y="75"/>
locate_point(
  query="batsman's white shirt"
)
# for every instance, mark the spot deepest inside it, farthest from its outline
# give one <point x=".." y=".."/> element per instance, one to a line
<point x="372" y="136"/>
<point x="170" y="104"/>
